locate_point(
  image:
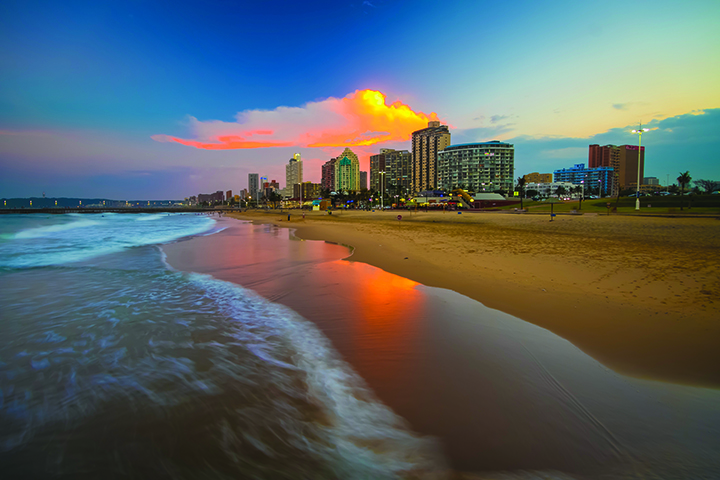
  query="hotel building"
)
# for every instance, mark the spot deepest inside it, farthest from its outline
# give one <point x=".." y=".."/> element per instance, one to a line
<point x="328" y="175"/>
<point x="397" y="165"/>
<point x="347" y="172"/>
<point x="603" y="177"/>
<point x="623" y="159"/>
<point x="293" y="174"/>
<point x="426" y="144"/>
<point x="254" y="185"/>
<point x="478" y="167"/>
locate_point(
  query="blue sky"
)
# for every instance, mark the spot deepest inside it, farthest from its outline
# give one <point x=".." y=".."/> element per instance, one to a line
<point x="86" y="85"/>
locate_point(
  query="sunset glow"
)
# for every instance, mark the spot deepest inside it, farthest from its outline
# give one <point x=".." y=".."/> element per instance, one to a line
<point x="361" y="118"/>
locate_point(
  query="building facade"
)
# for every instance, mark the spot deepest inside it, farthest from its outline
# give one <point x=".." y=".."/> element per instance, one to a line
<point x="327" y="180"/>
<point x="536" y="177"/>
<point x="347" y="172"/>
<point x="591" y="178"/>
<point x="310" y="191"/>
<point x="478" y="167"/>
<point x="363" y="179"/>
<point x="293" y="174"/>
<point x="397" y="165"/>
<point x="549" y="189"/>
<point x="426" y="144"/>
<point x="211" y="198"/>
<point x="254" y="185"/>
<point x="624" y="161"/>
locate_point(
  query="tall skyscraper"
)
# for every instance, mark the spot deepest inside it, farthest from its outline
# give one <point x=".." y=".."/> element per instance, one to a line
<point x="253" y="185"/>
<point x="624" y="161"/>
<point x="426" y="144"/>
<point x="397" y="165"/>
<point x="347" y="172"/>
<point x="293" y="174"/>
<point x="363" y="179"/>
<point x="328" y="175"/>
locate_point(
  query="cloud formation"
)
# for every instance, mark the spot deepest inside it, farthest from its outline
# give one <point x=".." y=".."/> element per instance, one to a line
<point x="361" y="118"/>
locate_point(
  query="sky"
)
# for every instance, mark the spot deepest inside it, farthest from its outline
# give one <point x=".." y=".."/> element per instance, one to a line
<point x="158" y="100"/>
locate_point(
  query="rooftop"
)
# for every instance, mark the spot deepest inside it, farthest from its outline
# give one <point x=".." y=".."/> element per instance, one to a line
<point x="492" y="143"/>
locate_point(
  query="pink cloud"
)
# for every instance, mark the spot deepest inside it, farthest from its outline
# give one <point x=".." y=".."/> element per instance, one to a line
<point x="360" y="119"/>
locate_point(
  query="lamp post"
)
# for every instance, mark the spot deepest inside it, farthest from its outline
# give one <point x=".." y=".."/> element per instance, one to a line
<point x="639" y="132"/>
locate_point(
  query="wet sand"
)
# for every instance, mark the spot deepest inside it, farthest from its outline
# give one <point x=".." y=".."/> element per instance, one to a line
<point x="500" y="394"/>
<point x="638" y="294"/>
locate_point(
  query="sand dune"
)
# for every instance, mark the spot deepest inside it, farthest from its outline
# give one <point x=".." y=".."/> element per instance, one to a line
<point x="637" y="293"/>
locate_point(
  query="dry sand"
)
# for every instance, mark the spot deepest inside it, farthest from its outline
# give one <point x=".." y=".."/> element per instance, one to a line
<point x="636" y="293"/>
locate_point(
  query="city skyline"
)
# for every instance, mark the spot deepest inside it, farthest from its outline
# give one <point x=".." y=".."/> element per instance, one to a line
<point x="114" y="101"/>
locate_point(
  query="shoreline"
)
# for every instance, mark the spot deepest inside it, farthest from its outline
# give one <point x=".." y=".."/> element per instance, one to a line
<point x="634" y="293"/>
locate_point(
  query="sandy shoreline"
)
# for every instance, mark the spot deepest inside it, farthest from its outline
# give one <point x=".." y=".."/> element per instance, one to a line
<point x="636" y="293"/>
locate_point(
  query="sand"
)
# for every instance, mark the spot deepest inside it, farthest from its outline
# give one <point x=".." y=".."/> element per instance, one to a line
<point x="636" y="293"/>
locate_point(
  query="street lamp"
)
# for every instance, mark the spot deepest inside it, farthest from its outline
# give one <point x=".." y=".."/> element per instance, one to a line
<point x="639" y="132"/>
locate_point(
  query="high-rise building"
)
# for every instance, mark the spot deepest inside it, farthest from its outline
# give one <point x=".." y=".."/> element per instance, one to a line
<point x="347" y="172"/>
<point x="328" y="175"/>
<point x="228" y="195"/>
<point x="591" y="178"/>
<point x="478" y="167"/>
<point x="536" y="177"/>
<point x="426" y="144"/>
<point x="623" y="159"/>
<point x="363" y="180"/>
<point x="254" y="185"/>
<point x="293" y="174"/>
<point x="397" y="165"/>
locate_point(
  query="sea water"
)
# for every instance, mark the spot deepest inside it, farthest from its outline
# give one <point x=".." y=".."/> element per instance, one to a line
<point x="113" y="364"/>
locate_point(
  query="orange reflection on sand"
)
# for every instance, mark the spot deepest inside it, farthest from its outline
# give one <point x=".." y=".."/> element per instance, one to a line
<point x="386" y="319"/>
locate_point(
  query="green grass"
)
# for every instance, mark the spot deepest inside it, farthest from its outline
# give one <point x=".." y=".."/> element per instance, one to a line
<point x="701" y="204"/>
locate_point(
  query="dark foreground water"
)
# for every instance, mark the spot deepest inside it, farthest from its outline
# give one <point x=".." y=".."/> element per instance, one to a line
<point x="118" y="366"/>
<point x="114" y="365"/>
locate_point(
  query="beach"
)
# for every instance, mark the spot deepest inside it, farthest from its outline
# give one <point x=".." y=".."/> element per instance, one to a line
<point x="501" y="397"/>
<point x="636" y="293"/>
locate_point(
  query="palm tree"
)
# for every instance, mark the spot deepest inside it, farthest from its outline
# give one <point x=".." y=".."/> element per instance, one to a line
<point x="683" y="179"/>
<point x="521" y="189"/>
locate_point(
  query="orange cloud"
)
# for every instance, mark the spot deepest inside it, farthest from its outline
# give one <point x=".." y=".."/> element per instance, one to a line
<point x="361" y="118"/>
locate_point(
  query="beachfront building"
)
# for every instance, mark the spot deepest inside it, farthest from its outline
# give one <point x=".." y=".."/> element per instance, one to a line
<point x="623" y="159"/>
<point x="363" y="179"/>
<point x="211" y="198"/>
<point x="478" y="167"/>
<point x="310" y="191"/>
<point x="591" y="178"/>
<point x="549" y="189"/>
<point x="347" y="172"/>
<point x="327" y="181"/>
<point x="536" y="177"/>
<point x="254" y="186"/>
<point x="426" y="144"/>
<point x="397" y="165"/>
<point x="293" y="174"/>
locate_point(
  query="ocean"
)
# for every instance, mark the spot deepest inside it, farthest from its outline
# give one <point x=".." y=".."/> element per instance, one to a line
<point x="112" y="364"/>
